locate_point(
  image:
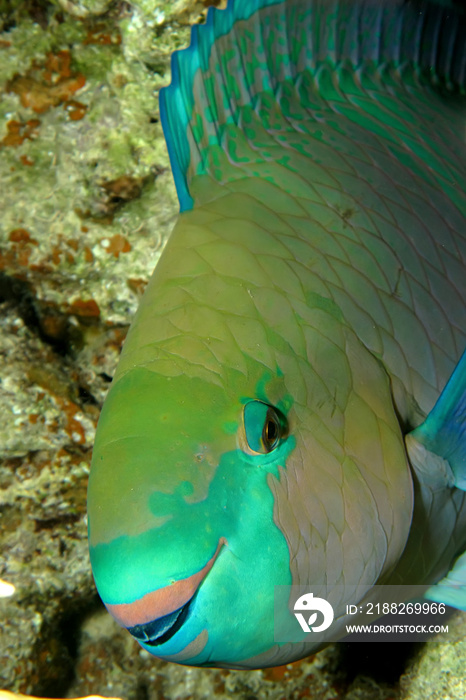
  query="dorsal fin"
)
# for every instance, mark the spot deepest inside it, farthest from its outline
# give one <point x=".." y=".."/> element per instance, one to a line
<point x="255" y="45"/>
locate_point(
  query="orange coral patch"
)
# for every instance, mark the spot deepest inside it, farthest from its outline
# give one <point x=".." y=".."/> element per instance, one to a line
<point x="98" y="35"/>
<point x="117" y="244"/>
<point x="19" y="131"/>
<point x="21" y="235"/>
<point x="87" y="308"/>
<point x="76" y="110"/>
<point x="48" y="85"/>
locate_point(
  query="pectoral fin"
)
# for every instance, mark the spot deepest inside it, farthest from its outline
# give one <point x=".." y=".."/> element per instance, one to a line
<point x="437" y="448"/>
<point x="437" y="452"/>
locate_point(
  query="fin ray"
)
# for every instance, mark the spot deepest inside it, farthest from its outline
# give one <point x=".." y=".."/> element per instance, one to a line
<point x="278" y="41"/>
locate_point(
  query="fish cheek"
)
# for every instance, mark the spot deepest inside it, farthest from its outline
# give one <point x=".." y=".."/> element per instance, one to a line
<point x="344" y="502"/>
<point x="330" y="526"/>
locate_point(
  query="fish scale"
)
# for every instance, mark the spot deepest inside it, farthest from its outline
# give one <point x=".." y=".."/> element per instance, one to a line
<point x="413" y="252"/>
<point x="289" y="404"/>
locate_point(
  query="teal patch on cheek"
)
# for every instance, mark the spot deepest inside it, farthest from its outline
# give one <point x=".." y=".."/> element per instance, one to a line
<point x="269" y="389"/>
<point x="236" y="600"/>
<point x="239" y="507"/>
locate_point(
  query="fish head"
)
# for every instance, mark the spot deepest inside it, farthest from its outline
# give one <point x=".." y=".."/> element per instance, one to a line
<point x="182" y="540"/>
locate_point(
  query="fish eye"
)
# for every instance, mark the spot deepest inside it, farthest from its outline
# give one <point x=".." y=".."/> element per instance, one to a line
<point x="264" y="426"/>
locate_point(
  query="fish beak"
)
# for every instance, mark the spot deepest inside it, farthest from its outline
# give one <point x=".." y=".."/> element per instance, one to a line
<point x="158" y="615"/>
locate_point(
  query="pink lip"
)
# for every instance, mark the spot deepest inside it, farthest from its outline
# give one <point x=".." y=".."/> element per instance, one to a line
<point x="164" y="601"/>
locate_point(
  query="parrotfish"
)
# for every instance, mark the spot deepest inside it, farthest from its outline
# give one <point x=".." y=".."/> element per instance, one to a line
<point x="289" y="408"/>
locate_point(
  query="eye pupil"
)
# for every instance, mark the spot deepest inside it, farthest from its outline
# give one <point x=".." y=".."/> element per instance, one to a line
<point x="271" y="431"/>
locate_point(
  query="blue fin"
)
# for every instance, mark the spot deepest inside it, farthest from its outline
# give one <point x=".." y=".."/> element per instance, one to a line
<point x="440" y="442"/>
<point x="451" y="590"/>
<point x="274" y="42"/>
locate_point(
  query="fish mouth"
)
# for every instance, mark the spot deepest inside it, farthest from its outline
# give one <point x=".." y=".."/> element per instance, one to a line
<point x="161" y="630"/>
<point x="158" y="615"/>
